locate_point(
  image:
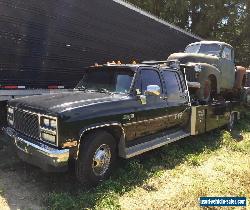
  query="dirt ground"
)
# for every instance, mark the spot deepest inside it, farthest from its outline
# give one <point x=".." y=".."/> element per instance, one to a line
<point x="23" y="186"/>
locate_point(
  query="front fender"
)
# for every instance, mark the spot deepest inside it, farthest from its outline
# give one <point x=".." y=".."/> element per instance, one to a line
<point x="121" y="141"/>
<point x="208" y="70"/>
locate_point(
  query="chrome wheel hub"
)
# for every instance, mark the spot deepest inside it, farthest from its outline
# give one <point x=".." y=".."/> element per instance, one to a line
<point x="101" y="160"/>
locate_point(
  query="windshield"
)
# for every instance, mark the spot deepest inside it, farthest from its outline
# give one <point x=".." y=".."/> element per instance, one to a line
<point x="107" y="79"/>
<point x="208" y="49"/>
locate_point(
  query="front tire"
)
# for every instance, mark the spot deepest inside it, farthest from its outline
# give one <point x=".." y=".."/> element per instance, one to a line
<point x="97" y="158"/>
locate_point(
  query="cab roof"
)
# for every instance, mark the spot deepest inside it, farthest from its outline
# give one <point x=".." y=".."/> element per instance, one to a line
<point x="133" y="67"/>
<point x="211" y="42"/>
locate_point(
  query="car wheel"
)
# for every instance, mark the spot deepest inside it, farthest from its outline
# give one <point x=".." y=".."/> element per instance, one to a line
<point x="97" y="158"/>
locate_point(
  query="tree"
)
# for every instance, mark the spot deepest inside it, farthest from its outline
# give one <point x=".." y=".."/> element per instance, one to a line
<point x="224" y="20"/>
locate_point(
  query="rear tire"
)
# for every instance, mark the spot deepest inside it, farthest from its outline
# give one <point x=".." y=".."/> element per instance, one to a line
<point x="97" y="158"/>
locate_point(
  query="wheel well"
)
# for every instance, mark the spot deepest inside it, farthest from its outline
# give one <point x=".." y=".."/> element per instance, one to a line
<point x="114" y="130"/>
<point x="213" y="80"/>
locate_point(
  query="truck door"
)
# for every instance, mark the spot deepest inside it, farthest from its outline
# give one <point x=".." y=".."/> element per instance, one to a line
<point x="227" y="68"/>
<point x="178" y="109"/>
<point x="151" y="117"/>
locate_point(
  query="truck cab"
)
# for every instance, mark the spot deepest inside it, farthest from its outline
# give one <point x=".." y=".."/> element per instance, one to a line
<point x="115" y="110"/>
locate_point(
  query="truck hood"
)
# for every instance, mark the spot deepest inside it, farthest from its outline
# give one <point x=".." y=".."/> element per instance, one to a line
<point x="60" y="102"/>
<point x="185" y="58"/>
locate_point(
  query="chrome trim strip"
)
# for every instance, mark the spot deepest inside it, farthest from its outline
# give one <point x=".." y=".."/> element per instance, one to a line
<point x="157" y="118"/>
<point x="155" y="143"/>
<point x="121" y="143"/>
<point x="48" y="130"/>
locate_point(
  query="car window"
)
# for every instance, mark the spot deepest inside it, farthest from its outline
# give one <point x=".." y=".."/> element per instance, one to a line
<point x="172" y="83"/>
<point x="227" y="53"/>
<point x="111" y="79"/>
<point x="148" y="77"/>
<point x="210" y="49"/>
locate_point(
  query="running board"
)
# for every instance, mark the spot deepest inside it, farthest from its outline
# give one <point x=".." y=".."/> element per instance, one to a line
<point x="155" y="143"/>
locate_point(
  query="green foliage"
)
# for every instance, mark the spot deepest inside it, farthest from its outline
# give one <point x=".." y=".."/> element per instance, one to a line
<point x="224" y="20"/>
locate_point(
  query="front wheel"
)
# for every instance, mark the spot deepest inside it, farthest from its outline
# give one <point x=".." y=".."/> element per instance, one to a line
<point x="97" y="158"/>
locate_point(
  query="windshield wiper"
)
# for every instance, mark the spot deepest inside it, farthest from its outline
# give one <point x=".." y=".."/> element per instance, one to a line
<point x="80" y="88"/>
<point x="103" y="90"/>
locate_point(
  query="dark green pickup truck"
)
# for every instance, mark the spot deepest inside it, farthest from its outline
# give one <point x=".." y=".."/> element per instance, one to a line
<point x="114" y="111"/>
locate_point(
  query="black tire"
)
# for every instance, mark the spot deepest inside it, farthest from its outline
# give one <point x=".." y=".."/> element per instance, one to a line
<point x="91" y="145"/>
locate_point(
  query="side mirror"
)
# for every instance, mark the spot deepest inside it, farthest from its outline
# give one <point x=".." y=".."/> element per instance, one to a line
<point x="153" y="90"/>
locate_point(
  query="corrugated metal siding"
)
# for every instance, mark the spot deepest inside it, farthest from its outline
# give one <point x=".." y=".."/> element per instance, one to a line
<point x="50" y="42"/>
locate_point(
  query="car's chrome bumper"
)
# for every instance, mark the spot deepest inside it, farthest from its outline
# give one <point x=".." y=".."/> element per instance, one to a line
<point x="39" y="154"/>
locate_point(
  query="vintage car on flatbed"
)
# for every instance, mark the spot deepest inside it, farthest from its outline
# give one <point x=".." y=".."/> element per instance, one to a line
<point x="114" y="111"/>
<point x="211" y="64"/>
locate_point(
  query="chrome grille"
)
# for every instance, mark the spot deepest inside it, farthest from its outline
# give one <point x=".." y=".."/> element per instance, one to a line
<point x="27" y="123"/>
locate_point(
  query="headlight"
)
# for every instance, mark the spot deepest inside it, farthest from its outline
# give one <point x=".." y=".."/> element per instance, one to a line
<point x="53" y="124"/>
<point x="48" y="123"/>
<point x="197" y="68"/>
<point x="48" y="137"/>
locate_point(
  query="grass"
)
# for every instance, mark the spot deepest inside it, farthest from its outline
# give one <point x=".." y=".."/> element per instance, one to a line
<point x="1" y="191"/>
<point x="172" y="177"/>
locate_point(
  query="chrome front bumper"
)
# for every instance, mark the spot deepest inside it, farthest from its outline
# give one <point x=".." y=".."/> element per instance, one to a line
<point x="39" y="154"/>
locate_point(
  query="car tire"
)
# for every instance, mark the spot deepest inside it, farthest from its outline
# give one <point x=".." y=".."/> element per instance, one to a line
<point x="96" y="159"/>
